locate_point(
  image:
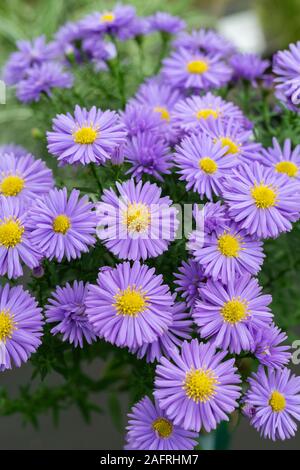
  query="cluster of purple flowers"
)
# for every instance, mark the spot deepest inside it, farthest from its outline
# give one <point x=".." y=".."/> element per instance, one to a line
<point x="176" y="122"/>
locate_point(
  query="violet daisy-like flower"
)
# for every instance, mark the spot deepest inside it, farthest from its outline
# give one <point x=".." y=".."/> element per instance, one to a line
<point x="150" y="429"/>
<point x="90" y="136"/>
<point x="196" y="388"/>
<point x="66" y="307"/>
<point x="15" y="243"/>
<point x="187" y="70"/>
<point x="29" y="54"/>
<point x="130" y="305"/>
<point x="263" y="202"/>
<point x="228" y="253"/>
<point x="43" y="79"/>
<point x="248" y="66"/>
<point x="268" y="347"/>
<point x="284" y="160"/>
<point x="166" y="23"/>
<point x="99" y="51"/>
<point x="24" y="177"/>
<point x="234" y="138"/>
<point x="137" y="222"/>
<point x="180" y="330"/>
<point x="148" y="153"/>
<point x="189" y="111"/>
<point x="139" y="118"/>
<point x="66" y="39"/>
<point x="16" y="150"/>
<point x="275" y="395"/>
<point x="161" y="99"/>
<point x="189" y="279"/>
<point x="286" y="68"/>
<point x="211" y="217"/>
<point x="21" y="326"/>
<point x="61" y="225"/>
<point x="228" y="314"/>
<point x="204" y="40"/>
<point x="202" y="163"/>
<point x="114" y="22"/>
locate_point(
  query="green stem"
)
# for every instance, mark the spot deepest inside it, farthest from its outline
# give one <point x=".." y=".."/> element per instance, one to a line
<point x="95" y="176"/>
<point x="165" y="37"/>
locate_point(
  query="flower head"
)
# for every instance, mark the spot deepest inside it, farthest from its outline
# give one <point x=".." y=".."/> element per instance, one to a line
<point x="150" y="429"/>
<point x="138" y="222"/>
<point x="66" y="307"/>
<point x="228" y="314"/>
<point x="139" y="118"/>
<point x="16" y="150"/>
<point x="196" y="388"/>
<point x="248" y="66"/>
<point x="130" y="305"/>
<point x="286" y="69"/>
<point x="283" y="159"/>
<point x="166" y="23"/>
<point x="189" y="279"/>
<point x="21" y="326"/>
<point x="206" y="41"/>
<point x="268" y="347"/>
<point x="275" y="395"/>
<point x="90" y="136"/>
<point x="61" y="225"/>
<point x="186" y="70"/>
<point x="263" y="202"/>
<point x="24" y="178"/>
<point x="114" y="22"/>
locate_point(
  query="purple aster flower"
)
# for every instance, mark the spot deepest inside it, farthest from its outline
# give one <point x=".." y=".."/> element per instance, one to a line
<point x="90" y="136"/>
<point x="211" y="217"/>
<point x="21" y="326"/>
<point x="137" y="222"/>
<point x="189" y="278"/>
<point x="184" y="69"/>
<point x="99" y="50"/>
<point x="166" y="23"/>
<point x="180" y="330"/>
<point x="248" y="66"/>
<point x="283" y="160"/>
<point x="139" y="118"/>
<point x="189" y="111"/>
<point x="29" y="54"/>
<point x="24" y="177"/>
<point x="268" y="347"/>
<point x="42" y="79"/>
<point x="61" y="225"/>
<point x="67" y="38"/>
<point x="15" y="243"/>
<point x="161" y="98"/>
<point x="263" y="202"/>
<point x="118" y="157"/>
<point x="286" y="68"/>
<point x="202" y="164"/>
<point x="150" y="429"/>
<point x="228" y="253"/>
<point x="136" y="28"/>
<point x="17" y="150"/>
<point x="114" y="22"/>
<point x="67" y="308"/>
<point x="204" y="40"/>
<point x="130" y="305"/>
<point x="148" y="153"/>
<point x="237" y="141"/>
<point x="275" y="394"/>
<point x="228" y="314"/>
<point x="196" y="388"/>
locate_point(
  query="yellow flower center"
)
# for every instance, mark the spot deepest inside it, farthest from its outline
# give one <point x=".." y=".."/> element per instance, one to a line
<point x="289" y="168"/>
<point x="163" y="427"/>
<point x="7" y="325"/>
<point x="164" y="113"/>
<point x="206" y="113"/>
<point x="137" y="217"/>
<point x="130" y="302"/>
<point x="208" y="165"/>
<point x="85" y="136"/>
<point x="11" y="231"/>
<point x="12" y="185"/>
<point x="108" y="17"/>
<point x="264" y="196"/>
<point x="234" y="311"/>
<point x="61" y="224"/>
<point x="232" y="146"/>
<point x="197" y="66"/>
<point x="229" y="245"/>
<point x="277" y="401"/>
<point x="200" y="384"/>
